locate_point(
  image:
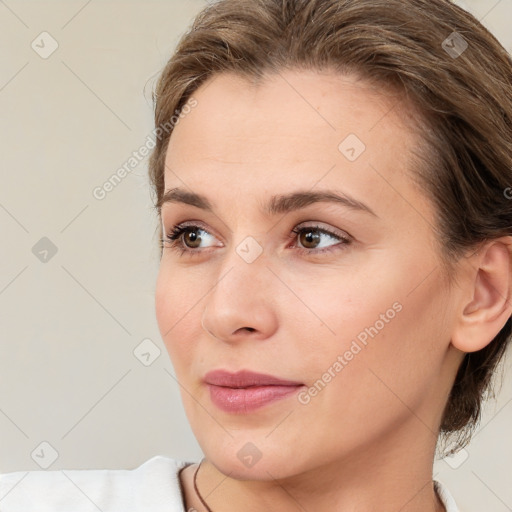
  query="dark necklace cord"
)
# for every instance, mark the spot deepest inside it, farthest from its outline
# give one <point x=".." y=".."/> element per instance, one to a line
<point x="197" y="490"/>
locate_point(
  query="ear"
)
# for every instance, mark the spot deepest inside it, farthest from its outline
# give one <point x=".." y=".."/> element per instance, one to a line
<point x="487" y="296"/>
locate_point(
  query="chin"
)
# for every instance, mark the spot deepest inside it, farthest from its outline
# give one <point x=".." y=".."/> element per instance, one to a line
<point x="251" y="457"/>
<point x="263" y="470"/>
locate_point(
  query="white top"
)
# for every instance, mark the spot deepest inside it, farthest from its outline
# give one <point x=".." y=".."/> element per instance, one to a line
<point x="153" y="486"/>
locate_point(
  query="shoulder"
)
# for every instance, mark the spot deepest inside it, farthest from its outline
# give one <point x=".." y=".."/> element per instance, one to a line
<point x="446" y="497"/>
<point x="154" y="485"/>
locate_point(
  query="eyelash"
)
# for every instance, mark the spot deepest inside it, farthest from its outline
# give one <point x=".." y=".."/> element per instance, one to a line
<point x="175" y="241"/>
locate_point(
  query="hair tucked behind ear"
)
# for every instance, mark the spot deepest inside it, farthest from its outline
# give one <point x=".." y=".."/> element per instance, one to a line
<point x="463" y="95"/>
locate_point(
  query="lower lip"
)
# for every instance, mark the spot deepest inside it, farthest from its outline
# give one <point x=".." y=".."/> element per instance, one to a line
<point x="244" y="400"/>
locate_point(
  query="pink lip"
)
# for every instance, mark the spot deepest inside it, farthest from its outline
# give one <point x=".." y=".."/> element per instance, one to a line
<point x="245" y="391"/>
<point x="244" y="379"/>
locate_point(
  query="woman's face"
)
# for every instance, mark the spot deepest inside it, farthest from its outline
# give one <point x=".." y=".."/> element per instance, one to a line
<point x="352" y="306"/>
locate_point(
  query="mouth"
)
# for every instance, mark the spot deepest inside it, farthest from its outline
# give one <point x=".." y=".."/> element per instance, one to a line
<point x="245" y="391"/>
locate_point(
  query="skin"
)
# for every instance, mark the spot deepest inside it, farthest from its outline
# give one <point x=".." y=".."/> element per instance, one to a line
<point x="365" y="442"/>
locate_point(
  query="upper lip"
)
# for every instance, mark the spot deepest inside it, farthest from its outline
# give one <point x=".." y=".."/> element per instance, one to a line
<point x="244" y="379"/>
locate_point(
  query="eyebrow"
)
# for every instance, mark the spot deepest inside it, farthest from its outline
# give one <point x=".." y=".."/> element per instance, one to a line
<point x="278" y="204"/>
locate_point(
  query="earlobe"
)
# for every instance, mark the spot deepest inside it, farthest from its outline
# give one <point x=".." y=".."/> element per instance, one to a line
<point x="489" y="288"/>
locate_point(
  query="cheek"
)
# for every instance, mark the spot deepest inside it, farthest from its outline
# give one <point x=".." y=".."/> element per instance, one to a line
<point x="350" y="303"/>
<point x="177" y="306"/>
<point x="379" y="320"/>
<point x="373" y="375"/>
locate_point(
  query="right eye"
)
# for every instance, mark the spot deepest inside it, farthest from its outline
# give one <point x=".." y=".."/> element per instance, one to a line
<point x="185" y="238"/>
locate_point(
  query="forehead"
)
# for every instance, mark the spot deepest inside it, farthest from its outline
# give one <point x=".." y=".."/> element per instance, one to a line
<point x="293" y="127"/>
<point x="301" y="99"/>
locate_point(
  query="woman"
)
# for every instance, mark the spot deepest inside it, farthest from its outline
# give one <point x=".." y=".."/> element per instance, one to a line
<point x="335" y="284"/>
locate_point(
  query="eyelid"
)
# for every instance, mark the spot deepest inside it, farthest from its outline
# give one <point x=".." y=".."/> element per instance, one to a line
<point x="191" y="224"/>
<point x="309" y="224"/>
<point x="336" y="232"/>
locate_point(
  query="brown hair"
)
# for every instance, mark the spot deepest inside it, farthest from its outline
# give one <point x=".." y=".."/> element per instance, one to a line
<point x="463" y="95"/>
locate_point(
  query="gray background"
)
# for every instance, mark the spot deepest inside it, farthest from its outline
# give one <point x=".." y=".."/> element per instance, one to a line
<point x="70" y="324"/>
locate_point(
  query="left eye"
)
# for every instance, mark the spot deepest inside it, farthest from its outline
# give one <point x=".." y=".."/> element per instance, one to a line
<point x="186" y="238"/>
<point x="313" y="235"/>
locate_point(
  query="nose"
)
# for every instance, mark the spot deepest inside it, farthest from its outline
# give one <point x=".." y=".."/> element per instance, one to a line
<point x="242" y="303"/>
<point x="248" y="329"/>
